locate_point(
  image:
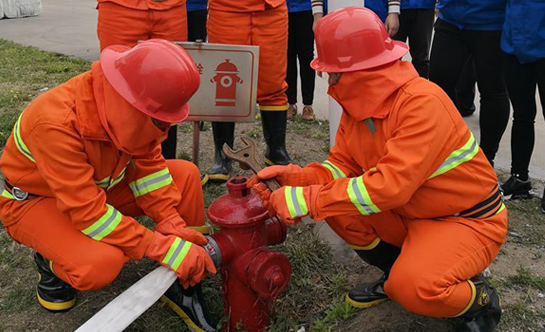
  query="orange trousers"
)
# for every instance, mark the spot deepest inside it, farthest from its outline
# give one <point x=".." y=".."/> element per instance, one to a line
<point x="118" y="25"/>
<point x="87" y="264"/>
<point x="438" y="256"/>
<point x="267" y="29"/>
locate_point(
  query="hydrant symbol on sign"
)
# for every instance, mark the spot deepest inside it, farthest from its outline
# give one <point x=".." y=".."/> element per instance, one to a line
<point x="226" y="80"/>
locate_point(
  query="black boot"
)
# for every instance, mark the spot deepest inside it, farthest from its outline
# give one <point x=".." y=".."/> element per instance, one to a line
<point x="515" y="188"/>
<point x="485" y="312"/>
<point x="224" y="132"/>
<point x="168" y="146"/>
<point x="53" y="294"/>
<point x="274" y="131"/>
<point x="189" y="304"/>
<point x="372" y="293"/>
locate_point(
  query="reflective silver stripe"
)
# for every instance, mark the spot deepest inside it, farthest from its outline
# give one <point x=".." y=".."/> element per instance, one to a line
<point x="296" y="205"/>
<point x="359" y="196"/>
<point x="104" y="225"/>
<point x="176" y="253"/>
<point x="139" y="187"/>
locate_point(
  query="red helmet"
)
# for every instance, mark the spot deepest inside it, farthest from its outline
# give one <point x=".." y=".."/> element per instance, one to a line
<point x="354" y="38"/>
<point x="157" y="77"/>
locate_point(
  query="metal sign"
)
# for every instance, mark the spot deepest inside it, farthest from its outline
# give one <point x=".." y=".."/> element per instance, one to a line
<point x="228" y="87"/>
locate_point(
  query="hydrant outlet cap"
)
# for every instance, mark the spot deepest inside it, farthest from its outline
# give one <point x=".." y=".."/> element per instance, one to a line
<point x="269" y="273"/>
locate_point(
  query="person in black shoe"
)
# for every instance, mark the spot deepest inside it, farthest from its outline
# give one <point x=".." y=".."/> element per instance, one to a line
<point x="265" y="24"/>
<point x="524" y="62"/>
<point x="405" y="185"/>
<point x="74" y="200"/>
<point x="416" y="24"/>
<point x="468" y="29"/>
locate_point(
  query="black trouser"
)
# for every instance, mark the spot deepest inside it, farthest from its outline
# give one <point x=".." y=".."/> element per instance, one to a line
<point x="300" y="45"/>
<point x="465" y="89"/>
<point x="521" y="84"/>
<point x="417" y="24"/>
<point x="450" y="52"/>
<point x="196" y="25"/>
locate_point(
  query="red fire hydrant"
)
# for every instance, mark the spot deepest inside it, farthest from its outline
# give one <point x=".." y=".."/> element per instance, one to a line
<point x="252" y="274"/>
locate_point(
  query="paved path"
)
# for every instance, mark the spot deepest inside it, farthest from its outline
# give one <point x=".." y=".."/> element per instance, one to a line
<point x="69" y="27"/>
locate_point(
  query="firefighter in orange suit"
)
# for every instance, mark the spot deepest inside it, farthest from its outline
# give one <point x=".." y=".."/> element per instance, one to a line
<point x="84" y="158"/>
<point x="263" y="23"/>
<point x="125" y="22"/>
<point x="406" y="184"/>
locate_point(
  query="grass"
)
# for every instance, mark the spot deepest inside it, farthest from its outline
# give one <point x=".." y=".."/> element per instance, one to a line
<point x="525" y="279"/>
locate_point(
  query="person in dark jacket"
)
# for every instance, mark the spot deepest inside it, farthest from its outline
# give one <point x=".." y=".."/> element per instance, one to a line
<point x="300" y="46"/>
<point x="523" y="44"/>
<point x="416" y="24"/>
<point x="468" y="28"/>
<point x="196" y="19"/>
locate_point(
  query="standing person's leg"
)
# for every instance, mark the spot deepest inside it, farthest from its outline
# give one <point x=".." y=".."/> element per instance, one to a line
<point x="306" y="54"/>
<point x="226" y="28"/>
<point x="420" y="40"/>
<point x="270" y="33"/>
<point x="436" y="273"/>
<point x="196" y="25"/>
<point x="465" y="89"/>
<point x="171" y="25"/>
<point x="406" y="19"/>
<point x="449" y="54"/>
<point x="540" y="73"/>
<point x="494" y="112"/>
<point x="118" y="25"/>
<point x="291" y="73"/>
<point x="521" y="85"/>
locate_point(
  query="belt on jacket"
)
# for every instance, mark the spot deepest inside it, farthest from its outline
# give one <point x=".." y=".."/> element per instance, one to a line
<point x="487" y="208"/>
<point x="17" y="193"/>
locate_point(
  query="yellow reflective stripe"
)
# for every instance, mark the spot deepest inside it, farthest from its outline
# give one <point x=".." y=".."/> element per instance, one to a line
<point x="118" y="178"/>
<point x="273" y="108"/>
<point x="295" y="200"/>
<point x="105" y="225"/>
<point x="501" y="208"/>
<point x="19" y="140"/>
<point x="103" y="183"/>
<point x="372" y="169"/>
<point x="465" y="153"/>
<point x="360" y="197"/>
<point x="336" y="172"/>
<point x="7" y="194"/>
<point x="370" y="246"/>
<point x="473" y="296"/>
<point x="176" y="253"/>
<point x="150" y="182"/>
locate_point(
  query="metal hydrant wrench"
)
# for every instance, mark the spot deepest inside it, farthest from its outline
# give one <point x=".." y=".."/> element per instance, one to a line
<point x="246" y="156"/>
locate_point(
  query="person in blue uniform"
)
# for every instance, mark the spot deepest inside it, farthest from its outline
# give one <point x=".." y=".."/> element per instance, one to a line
<point x="416" y="24"/>
<point x="523" y="44"/>
<point x="300" y="46"/>
<point x="468" y="28"/>
<point x="196" y="19"/>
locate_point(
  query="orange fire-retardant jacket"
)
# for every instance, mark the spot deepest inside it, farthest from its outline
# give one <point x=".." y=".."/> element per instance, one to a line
<point x="244" y="6"/>
<point x="60" y="149"/>
<point x="147" y="4"/>
<point x="417" y="158"/>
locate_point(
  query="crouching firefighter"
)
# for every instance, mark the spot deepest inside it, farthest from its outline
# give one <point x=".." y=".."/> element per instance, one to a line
<point x="406" y="184"/>
<point x="85" y="157"/>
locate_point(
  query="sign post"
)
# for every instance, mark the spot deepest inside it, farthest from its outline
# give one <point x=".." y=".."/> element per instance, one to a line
<point x="228" y="89"/>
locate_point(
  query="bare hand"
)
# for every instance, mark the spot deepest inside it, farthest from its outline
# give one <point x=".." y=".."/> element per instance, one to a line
<point x="392" y="24"/>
